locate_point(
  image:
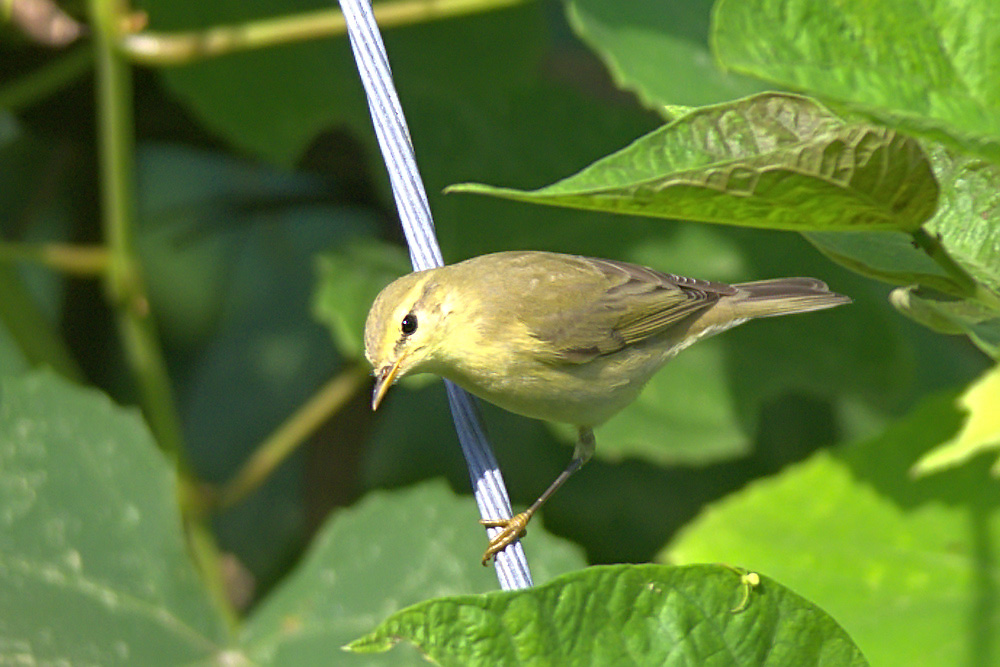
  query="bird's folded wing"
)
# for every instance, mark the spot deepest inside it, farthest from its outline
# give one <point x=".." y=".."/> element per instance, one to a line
<point x="628" y="305"/>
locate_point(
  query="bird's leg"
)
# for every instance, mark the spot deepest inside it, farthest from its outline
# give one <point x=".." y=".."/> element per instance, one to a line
<point x="514" y="527"/>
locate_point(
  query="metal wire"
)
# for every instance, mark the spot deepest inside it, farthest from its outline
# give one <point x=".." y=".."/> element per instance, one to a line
<point x="418" y="226"/>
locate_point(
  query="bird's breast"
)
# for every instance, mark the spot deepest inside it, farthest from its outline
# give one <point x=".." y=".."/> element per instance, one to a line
<point x="517" y="380"/>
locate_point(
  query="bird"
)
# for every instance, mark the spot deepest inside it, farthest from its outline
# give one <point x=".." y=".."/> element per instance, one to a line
<point x="558" y="337"/>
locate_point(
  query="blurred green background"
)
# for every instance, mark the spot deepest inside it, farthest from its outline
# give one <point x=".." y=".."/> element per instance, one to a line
<point x="252" y="165"/>
<point x="265" y="227"/>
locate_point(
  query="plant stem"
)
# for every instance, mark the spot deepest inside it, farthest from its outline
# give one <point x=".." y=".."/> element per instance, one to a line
<point x="300" y="425"/>
<point x="166" y="49"/>
<point x="84" y="261"/>
<point x="206" y="554"/>
<point x="931" y="244"/>
<point x="123" y="279"/>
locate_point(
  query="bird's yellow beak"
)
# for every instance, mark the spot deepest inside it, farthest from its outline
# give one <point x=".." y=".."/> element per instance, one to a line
<point x="383" y="380"/>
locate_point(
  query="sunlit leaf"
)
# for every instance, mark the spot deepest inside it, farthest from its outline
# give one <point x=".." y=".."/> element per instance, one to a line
<point x="624" y="614"/>
<point x="927" y="70"/>
<point x="903" y="564"/>
<point x="773" y="161"/>
<point x="394" y="549"/>
<point x="980" y="432"/>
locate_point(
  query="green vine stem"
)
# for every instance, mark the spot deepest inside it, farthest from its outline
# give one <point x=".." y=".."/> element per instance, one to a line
<point x="931" y="244"/>
<point x="299" y="426"/>
<point x="166" y="49"/>
<point x="123" y="279"/>
<point x="209" y="561"/>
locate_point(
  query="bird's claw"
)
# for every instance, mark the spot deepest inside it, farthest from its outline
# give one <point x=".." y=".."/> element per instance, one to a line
<point x="512" y="530"/>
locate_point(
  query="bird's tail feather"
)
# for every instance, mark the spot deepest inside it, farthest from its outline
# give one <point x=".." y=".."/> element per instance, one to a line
<point x="785" y="296"/>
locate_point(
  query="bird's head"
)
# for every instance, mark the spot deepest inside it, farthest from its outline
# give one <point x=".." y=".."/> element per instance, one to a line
<point x="405" y="328"/>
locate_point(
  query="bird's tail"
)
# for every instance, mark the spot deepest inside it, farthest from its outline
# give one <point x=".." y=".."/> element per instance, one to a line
<point x="785" y="296"/>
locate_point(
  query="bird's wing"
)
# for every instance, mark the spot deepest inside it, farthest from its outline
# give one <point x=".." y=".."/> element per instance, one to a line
<point x="623" y="305"/>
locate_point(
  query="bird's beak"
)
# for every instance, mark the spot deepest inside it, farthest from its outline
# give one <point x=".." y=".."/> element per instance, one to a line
<point x="383" y="380"/>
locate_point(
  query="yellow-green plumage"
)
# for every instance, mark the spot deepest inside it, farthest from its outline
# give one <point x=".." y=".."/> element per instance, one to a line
<point x="559" y="337"/>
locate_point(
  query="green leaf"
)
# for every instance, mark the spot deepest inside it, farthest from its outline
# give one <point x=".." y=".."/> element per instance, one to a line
<point x="947" y="314"/>
<point x="968" y="215"/>
<point x="905" y="565"/>
<point x="889" y="256"/>
<point x="773" y="161"/>
<point x="658" y="50"/>
<point x="350" y="277"/>
<point x="980" y="432"/>
<point x="624" y="614"/>
<point x="393" y="549"/>
<point x="967" y="223"/>
<point x="928" y="70"/>
<point x="93" y="560"/>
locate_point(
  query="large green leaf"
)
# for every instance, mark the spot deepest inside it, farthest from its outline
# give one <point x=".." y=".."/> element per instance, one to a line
<point x="888" y="256"/>
<point x="906" y="565"/>
<point x="659" y="50"/>
<point x="392" y="550"/>
<point x="980" y="433"/>
<point x="967" y="224"/>
<point x="928" y="69"/>
<point x="951" y="315"/>
<point x="93" y="563"/>
<point x="773" y="161"/>
<point x="624" y="615"/>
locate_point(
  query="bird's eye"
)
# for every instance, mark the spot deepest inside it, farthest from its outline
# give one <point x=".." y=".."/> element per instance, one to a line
<point x="409" y="324"/>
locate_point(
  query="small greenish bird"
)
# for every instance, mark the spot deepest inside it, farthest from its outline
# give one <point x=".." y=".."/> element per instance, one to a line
<point x="558" y="337"/>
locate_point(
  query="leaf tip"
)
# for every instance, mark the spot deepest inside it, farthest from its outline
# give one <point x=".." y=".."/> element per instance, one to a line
<point x="374" y="642"/>
<point x="462" y="187"/>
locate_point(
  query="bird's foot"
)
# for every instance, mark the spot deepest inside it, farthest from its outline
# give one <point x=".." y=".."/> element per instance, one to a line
<point x="513" y="529"/>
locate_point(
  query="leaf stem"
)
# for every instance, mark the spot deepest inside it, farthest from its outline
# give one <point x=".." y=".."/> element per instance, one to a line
<point x="168" y="49"/>
<point x="293" y="432"/>
<point x="84" y="261"/>
<point x="931" y="244"/>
